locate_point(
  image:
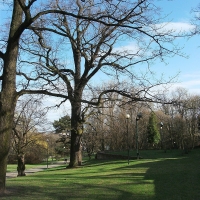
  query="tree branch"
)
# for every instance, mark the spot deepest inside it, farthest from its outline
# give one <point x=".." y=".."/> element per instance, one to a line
<point x="2" y="55"/>
<point x="45" y="92"/>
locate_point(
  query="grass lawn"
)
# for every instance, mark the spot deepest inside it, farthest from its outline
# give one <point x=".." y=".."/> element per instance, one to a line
<point x="159" y="175"/>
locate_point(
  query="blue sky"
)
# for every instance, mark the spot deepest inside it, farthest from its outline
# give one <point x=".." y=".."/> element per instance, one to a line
<point x="188" y="68"/>
<point x="179" y="12"/>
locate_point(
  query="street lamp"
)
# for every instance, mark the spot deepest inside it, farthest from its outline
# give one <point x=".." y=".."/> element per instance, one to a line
<point x="64" y="153"/>
<point x="127" y="118"/>
<point x="47" y="152"/>
<point x="139" y="115"/>
<point x="161" y="135"/>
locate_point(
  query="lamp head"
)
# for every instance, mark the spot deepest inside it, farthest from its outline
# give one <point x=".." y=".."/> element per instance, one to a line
<point x="139" y="115"/>
<point x="127" y="116"/>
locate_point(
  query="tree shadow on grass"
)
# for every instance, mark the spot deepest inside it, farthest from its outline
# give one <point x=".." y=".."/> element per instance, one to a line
<point x="173" y="178"/>
<point x="65" y="193"/>
<point x="75" y="186"/>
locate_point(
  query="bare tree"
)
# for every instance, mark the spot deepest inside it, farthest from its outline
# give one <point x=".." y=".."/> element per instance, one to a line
<point x="29" y="116"/>
<point x="92" y="28"/>
<point x="196" y="20"/>
<point x="23" y="14"/>
<point x="92" y="43"/>
<point x="180" y="128"/>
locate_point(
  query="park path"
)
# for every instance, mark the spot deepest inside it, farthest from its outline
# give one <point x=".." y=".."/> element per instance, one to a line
<point x="38" y="168"/>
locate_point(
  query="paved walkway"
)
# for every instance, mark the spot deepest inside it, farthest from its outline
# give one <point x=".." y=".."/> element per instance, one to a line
<point x="39" y="168"/>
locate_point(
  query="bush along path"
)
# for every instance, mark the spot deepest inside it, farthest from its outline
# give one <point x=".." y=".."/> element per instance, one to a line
<point x="37" y="168"/>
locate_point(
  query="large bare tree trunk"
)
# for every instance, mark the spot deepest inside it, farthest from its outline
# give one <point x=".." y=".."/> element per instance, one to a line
<point x="8" y="92"/>
<point x="21" y="165"/>
<point x="3" y="166"/>
<point x="7" y="106"/>
<point x="76" y="150"/>
<point x="76" y="135"/>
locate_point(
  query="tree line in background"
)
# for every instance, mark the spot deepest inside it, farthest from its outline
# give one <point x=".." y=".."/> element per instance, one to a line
<point x="162" y="126"/>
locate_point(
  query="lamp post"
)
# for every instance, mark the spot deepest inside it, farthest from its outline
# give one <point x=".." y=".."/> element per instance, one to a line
<point x="47" y="152"/>
<point x="64" y="153"/>
<point x="161" y="135"/>
<point x="127" y="118"/>
<point x="139" y="115"/>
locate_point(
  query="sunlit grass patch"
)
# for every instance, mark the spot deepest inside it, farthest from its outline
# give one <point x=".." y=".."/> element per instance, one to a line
<point x="171" y="176"/>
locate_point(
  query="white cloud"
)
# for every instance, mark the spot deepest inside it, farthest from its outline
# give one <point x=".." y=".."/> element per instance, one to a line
<point x="176" y="27"/>
<point x="132" y="47"/>
<point x="190" y="81"/>
<point x="164" y="28"/>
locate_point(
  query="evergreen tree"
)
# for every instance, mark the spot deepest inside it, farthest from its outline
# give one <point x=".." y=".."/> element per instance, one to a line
<point x="152" y="130"/>
<point x="63" y="124"/>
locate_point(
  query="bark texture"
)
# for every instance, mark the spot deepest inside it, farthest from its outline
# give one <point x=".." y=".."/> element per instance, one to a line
<point x="21" y="165"/>
<point x="8" y="96"/>
<point x="76" y="135"/>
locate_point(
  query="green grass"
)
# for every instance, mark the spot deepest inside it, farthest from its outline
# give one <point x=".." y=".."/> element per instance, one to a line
<point x="158" y="176"/>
